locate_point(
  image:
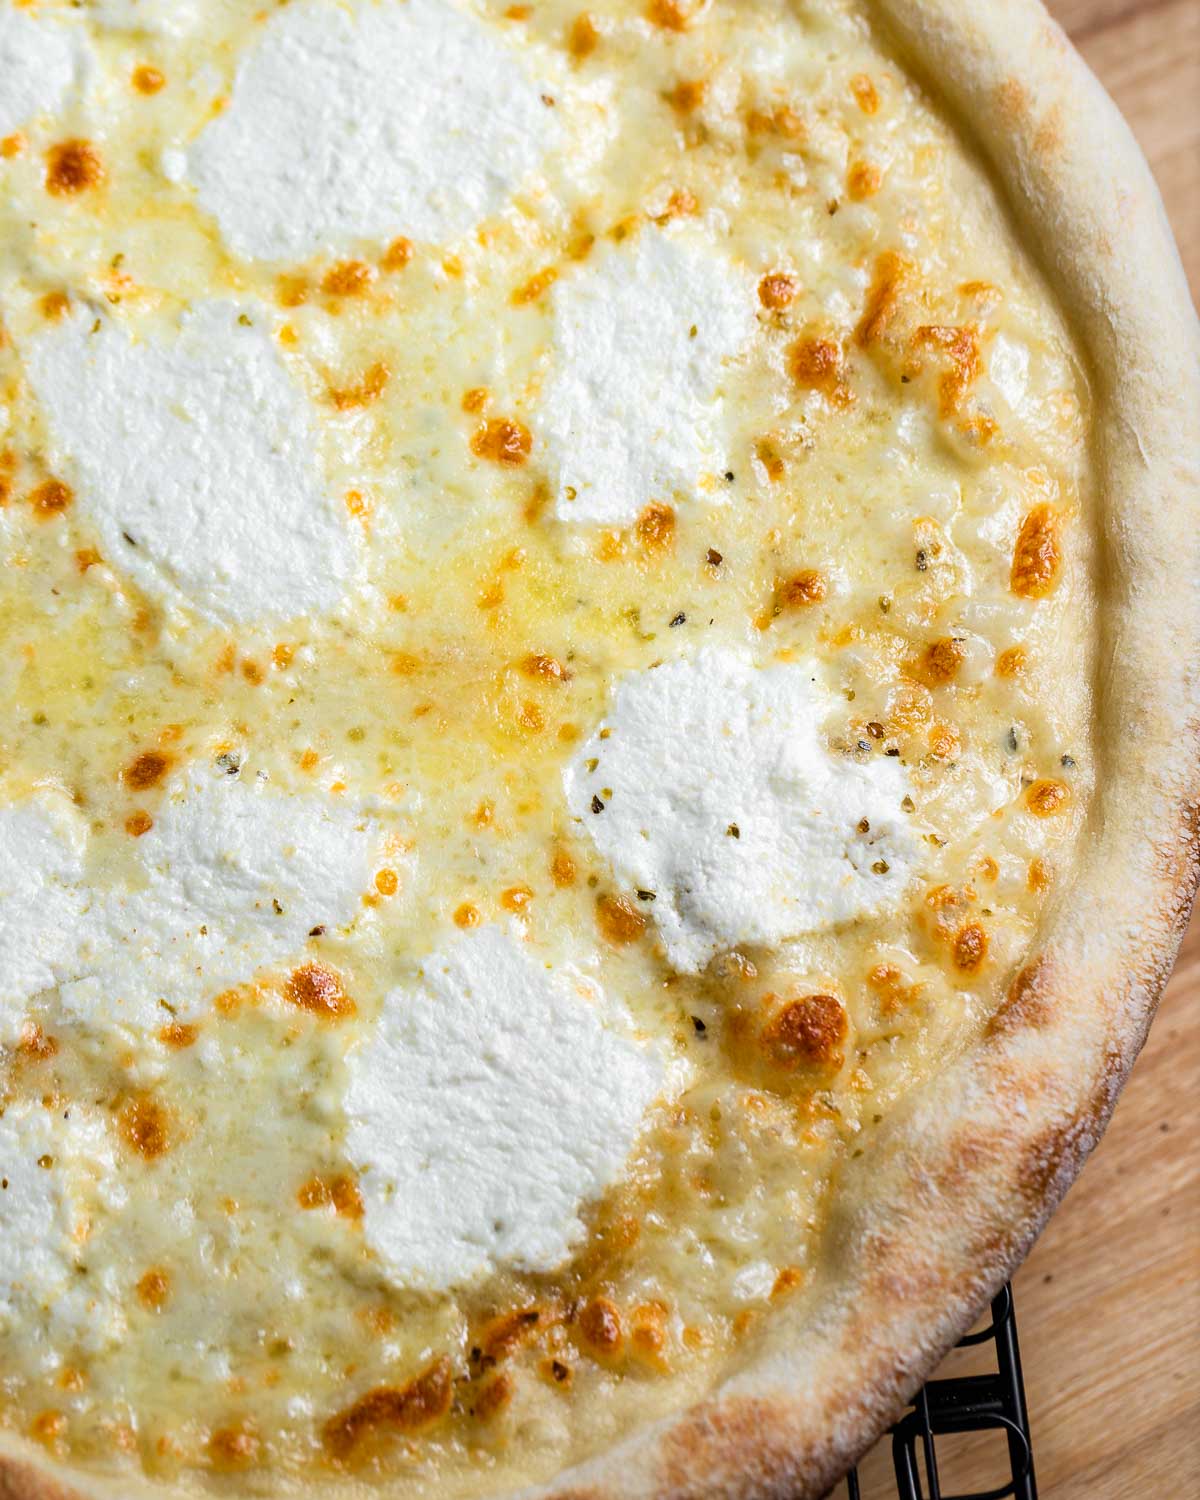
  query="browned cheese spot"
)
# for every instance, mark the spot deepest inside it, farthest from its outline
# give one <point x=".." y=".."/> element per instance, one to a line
<point x="1047" y="798"/>
<point x="940" y="661"/>
<point x="970" y="948"/>
<point x="1037" y="557"/>
<point x="35" y="1044"/>
<point x="234" y="1448"/>
<point x="810" y="1030"/>
<point x="584" y="36"/>
<point x="50" y="499"/>
<point x="148" y="80"/>
<point x="600" y="1328"/>
<point x="339" y="1193"/>
<point x="669" y="14"/>
<point x="961" y="348"/>
<point x="143" y="1125"/>
<point x="800" y="590"/>
<point x="516" y="898"/>
<point x="146" y="770"/>
<point x="501" y="440"/>
<point x="655" y="527"/>
<point x="53" y="305"/>
<point x="348" y="278"/>
<point x="687" y="96"/>
<point x="865" y="93"/>
<point x="154" y="1288"/>
<point x="817" y="364"/>
<point x="178" y="1035"/>
<point x="529" y="291"/>
<point x="777" y="290"/>
<point x="138" y="823"/>
<point x="396" y="256"/>
<point x="467" y="915"/>
<point x="493" y="1397"/>
<point x="1011" y="663"/>
<point x="562" y="869"/>
<point x="402" y="1409"/>
<point x="546" y="668"/>
<point x="619" y="920"/>
<point x="892" y="271"/>
<point x="73" y="167"/>
<point x="368" y="389"/>
<point x="863" y="180"/>
<point x="318" y="990"/>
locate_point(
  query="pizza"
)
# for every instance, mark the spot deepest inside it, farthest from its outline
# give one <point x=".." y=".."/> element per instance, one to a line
<point x="598" y="759"/>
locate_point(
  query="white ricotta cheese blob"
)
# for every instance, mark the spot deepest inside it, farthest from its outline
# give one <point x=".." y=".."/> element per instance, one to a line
<point x="42" y="845"/>
<point x="493" y="1100"/>
<point x="231" y="878"/>
<point x="195" y="455"/>
<point x="39" y="63"/>
<point x="365" y="121"/>
<point x="641" y="341"/>
<point x="710" y="784"/>
<point x="236" y="876"/>
<point x="56" y="1165"/>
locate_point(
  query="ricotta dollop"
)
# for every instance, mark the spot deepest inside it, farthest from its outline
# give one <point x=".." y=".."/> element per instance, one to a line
<point x="365" y="121"/>
<point x="231" y="878"/>
<point x="194" y="453"/>
<point x="56" y="1165"/>
<point x="496" y="1096"/>
<point x="39" y="63"/>
<point x="641" y="341"/>
<point x="710" y="785"/>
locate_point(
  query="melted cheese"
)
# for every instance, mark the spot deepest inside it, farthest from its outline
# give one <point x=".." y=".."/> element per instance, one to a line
<point x="549" y="1096"/>
<point x="195" y="457"/>
<point x="709" y="789"/>
<point x="633" y="403"/>
<point x="366" y="122"/>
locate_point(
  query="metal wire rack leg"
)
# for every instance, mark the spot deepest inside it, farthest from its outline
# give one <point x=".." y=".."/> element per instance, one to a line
<point x="967" y="1403"/>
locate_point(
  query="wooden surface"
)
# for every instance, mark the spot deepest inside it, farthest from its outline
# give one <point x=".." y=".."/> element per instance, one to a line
<point x="1108" y="1304"/>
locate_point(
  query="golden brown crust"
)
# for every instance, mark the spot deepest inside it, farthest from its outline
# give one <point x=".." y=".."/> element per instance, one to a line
<point x="968" y="1172"/>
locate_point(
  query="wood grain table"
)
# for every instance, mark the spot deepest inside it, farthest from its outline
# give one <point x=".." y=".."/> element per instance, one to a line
<point x="1108" y="1304"/>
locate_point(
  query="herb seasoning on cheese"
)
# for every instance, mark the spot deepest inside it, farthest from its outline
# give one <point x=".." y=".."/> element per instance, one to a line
<point x="546" y="603"/>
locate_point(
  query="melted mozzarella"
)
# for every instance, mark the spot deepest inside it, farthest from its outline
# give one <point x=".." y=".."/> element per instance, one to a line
<point x="195" y="456"/>
<point x="632" y="406"/>
<point x="232" y="877"/>
<point x="39" y="62"/>
<point x="492" y="1102"/>
<point x="56" y="1166"/>
<point x="408" y="116"/>
<point x="710" y="785"/>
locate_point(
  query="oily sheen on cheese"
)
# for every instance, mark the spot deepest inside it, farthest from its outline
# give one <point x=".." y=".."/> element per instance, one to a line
<point x="547" y="620"/>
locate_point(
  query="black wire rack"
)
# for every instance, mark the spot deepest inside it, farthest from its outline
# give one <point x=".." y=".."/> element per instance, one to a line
<point x="992" y="1402"/>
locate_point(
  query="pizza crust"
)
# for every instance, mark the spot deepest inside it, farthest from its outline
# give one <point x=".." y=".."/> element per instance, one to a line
<point x="966" y="1174"/>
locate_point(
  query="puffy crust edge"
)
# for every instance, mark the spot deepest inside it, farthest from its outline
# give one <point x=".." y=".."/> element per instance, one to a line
<point x="967" y="1174"/>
